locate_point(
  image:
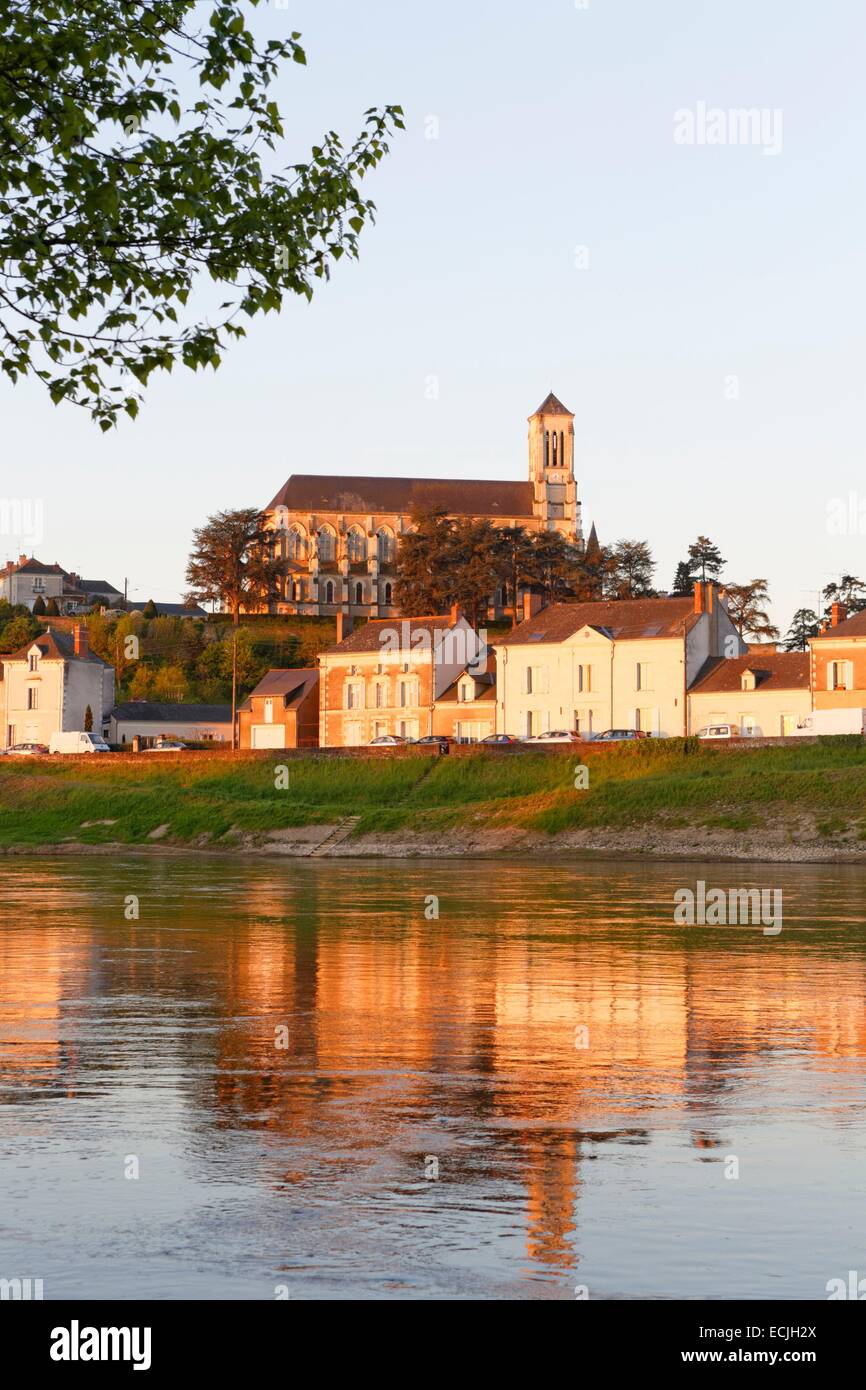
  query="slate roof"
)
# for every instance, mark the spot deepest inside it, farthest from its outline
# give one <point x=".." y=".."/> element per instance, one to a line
<point x="773" y="671"/>
<point x="31" y="566"/>
<point x="369" y="637"/>
<point x="281" y="681"/>
<point x="855" y="626"/>
<point x="485" y="684"/>
<point x="151" y="712"/>
<point x="54" y="646"/>
<point x="313" y="492"/>
<point x="618" y="618"/>
<point x="551" y="405"/>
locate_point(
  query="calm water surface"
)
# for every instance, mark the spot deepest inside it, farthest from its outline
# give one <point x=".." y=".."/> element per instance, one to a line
<point x="458" y="1039"/>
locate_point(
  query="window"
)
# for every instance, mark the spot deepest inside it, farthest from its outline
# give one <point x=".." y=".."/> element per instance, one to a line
<point x="471" y="733"/>
<point x="326" y="545"/>
<point x="380" y="727"/>
<point x="33" y="662"/>
<point x="329" y="592"/>
<point x="840" y="675"/>
<point x="33" y="697"/>
<point x="747" y="725"/>
<point x="381" y="696"/>
<point x="297" y="545"/>
<point x="408" y="728"/>
<point x="357" y="546"/>
<point x="38" y="582"/>
<point x="646" y="720"/>
<point x="359" y="593"/>
<point x="583" y="721"/>
<point x="269" y="711"/>
<point x="584" y="678"/>
<point x="387" y="599"/>
<point x="354" y="695"/>
<point x="407" y="693"/>
<point x="536" y="680"/>
<point x="643" y="676"/>
<point x="354" y="734"/>
<point x="385" y="547"/>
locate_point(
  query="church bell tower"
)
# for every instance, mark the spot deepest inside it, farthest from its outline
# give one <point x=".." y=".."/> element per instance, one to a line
<point x="551" y="468"/>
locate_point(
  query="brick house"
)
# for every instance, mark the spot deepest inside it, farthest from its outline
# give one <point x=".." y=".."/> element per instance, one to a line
<point x="466" y="711"/>
<point x="387" y="677"/>
<point x="282" y="711"/>
<point x="838" y="662"/>
<point x="48" y="685"/>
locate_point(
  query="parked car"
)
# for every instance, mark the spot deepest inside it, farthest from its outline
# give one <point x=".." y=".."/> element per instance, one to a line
<point x="504" y="740"/>
<point x="444" y="740"/>
<point x="78" y="742"/>
<point x="389" y="741"/>
<point x="166" y="745"/>
<point x="719" y="731"/>
<point x="559" y="736"/>
<point x="28" y="749"/>
<point x="620" y="735"/>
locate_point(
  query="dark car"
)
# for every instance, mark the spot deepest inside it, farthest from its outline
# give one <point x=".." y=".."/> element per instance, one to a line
<point x="506" y="740"/>
<point x="443" y="740"/>
<point x="620" y="735"/>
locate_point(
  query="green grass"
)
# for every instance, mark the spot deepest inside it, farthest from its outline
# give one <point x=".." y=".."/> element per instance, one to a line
<point x="666" y="784"/>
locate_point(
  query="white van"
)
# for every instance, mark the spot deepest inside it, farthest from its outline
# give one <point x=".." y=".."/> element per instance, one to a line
<point x="76" y="742"/>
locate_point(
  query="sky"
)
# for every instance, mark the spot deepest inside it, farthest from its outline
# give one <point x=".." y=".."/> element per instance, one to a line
<point x="550" y="219"/>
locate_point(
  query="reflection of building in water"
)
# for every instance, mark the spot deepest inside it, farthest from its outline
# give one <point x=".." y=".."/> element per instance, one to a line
<point x="38" y="968"/>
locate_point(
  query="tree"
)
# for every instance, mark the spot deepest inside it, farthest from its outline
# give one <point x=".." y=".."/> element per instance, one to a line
<point x="231" y="560"/>
<point x="629" y="570"/>
<point x="684" y="580"/>
<point x="516" y="563"/>
<point x="705" y="559"/>
<point x="850" y="591"/>
<point x="51" y="609"/>
<point x="88" y="720"/>
<point x="804" y="624"/>
<point x="149" y="610"/>
<point x="745" y="606"/>
<point x="425" y="582"/>
<point x="119" y="196"/>
<point x="39" y="607"/>
<point x="17" y="632"/>
<point x="474" y="566"/>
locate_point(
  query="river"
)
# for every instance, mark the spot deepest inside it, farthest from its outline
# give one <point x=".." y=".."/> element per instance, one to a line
<point x="230" y="1078"/>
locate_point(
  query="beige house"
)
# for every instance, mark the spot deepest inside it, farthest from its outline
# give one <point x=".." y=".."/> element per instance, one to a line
<point x="49" y="684"/>
<point x="764" y="694"/>
<point x="29" y="579"/>
<point x="388" y="676"/>
<point x="282" y="711"/>
<point x="336" y="537"/>
<point x="624" y="664"/>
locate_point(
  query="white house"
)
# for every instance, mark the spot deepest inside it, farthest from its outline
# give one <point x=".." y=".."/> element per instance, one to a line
<point x="49" y="684"/>
<point x="29" y="579"/>
<point x="148" y="720"/>
<point x="763" y="694"/>
<point x="611" y="664"/>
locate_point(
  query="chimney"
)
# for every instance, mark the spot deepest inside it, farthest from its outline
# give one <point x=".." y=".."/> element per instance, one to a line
<point x="699" y="596"/>
<point x="344" y="625"/>
<point x="838" y="614"/>
<point x="456" y="613"/>
<point x="22" y="559"/>
<point x="82" y="645"/>
<point x="532" y="604"/>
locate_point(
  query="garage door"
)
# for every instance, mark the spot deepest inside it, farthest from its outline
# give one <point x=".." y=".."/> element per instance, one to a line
<point x="268" y="736"/>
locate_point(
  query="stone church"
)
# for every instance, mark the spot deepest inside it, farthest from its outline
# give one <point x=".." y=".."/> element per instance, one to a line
<point x="336" y="537"/>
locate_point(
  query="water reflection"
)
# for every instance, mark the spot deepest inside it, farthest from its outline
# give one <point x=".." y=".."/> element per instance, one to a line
<point x="578" y="1065"/>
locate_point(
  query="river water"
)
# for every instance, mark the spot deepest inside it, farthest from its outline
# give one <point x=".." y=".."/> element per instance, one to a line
<point x="296" y="1080"/>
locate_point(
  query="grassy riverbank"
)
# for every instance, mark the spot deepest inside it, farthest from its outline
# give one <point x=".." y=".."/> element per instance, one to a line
<point x="643" y="797"/>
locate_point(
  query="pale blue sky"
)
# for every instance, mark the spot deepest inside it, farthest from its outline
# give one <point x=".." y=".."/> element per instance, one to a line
<point x="555" y="131"/>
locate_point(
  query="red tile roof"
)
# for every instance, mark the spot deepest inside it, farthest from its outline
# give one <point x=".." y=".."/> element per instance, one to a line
<point x="371" y="637"/>
<point x="619" y="618"/>
<point x="773" y="671"/>
<point x="56" y="646"/>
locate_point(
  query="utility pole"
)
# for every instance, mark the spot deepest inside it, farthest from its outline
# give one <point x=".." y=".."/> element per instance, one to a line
<point x="234" y="688"/>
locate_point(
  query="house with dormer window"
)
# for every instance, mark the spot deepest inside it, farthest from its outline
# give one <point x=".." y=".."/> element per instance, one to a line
<point x="49" y="684"/>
